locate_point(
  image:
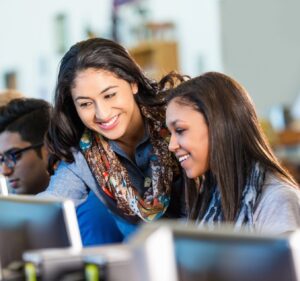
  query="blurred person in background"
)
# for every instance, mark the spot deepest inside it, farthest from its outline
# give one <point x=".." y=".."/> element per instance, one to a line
<point x="23" y="156"/>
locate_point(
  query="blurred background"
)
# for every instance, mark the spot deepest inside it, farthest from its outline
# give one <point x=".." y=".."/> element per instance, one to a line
<point x="257" y="42"/>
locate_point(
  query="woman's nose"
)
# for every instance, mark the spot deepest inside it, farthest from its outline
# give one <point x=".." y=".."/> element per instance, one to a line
<point x="102" y="112"/>
<point x="173" y="144"/>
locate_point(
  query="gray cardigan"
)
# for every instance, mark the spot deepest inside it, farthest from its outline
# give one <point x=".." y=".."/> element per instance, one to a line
<point x="72" y="181"/>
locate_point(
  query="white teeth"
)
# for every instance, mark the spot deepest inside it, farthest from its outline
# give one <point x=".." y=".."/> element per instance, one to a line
<point x="184" y="157"/>
<point x="110" y="122"/>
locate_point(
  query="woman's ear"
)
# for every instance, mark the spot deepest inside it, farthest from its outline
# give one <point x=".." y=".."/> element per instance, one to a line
<point x="134" y="88"/>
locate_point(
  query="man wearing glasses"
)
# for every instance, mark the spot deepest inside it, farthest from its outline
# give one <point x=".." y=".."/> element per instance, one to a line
<point x="23" y="157"/>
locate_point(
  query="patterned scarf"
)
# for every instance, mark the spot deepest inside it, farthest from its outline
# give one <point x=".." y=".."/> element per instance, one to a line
<point x="113" y="178"/>
<point x="244" y="219"/>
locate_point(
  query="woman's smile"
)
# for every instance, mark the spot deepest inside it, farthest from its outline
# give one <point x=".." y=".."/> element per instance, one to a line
<point x="109" y="124"/>
<point x="105" y="104"/>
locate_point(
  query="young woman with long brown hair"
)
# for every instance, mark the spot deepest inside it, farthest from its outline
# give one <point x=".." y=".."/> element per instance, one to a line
<point x="216" y="136"/>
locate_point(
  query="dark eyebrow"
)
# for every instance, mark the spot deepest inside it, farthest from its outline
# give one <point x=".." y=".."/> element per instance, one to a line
<point x="173" y="123"/>
<point x="108" y="88"/>
<point x="102" y="92"/>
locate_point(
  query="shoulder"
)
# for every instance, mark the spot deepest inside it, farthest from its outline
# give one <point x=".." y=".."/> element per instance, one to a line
<point x="276" y="190"/>
<point x="79" y="165"/>
<point x="278" y="208"/>
<point x="72" y="180"/>
<point x="78" y="169"/>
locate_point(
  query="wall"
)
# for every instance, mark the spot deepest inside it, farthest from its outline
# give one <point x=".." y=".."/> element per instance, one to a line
<point x="29" y="38"/>
<point x="255" y="41"/>
<point x="260" y="47"/>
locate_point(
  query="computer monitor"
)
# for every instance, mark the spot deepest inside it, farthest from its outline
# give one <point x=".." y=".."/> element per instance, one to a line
<point x="222" y="255"/>
<point x="29" y="222"/>
<point x="3" y="185"/>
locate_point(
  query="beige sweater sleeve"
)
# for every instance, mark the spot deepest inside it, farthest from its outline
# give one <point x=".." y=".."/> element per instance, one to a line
<point x="278" y="209"/>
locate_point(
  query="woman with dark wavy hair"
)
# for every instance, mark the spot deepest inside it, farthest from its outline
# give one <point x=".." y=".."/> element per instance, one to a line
<point x="216" y="136"/>
<point x="108" y="130"/>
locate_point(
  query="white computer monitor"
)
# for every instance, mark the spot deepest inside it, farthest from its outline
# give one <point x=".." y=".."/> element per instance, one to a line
<point x="3" y="185"/>
<point x="186" y="253"/>
<point x="29" y="222"/>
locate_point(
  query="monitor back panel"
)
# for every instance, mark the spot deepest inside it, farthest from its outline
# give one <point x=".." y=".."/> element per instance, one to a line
<point x="28" y="222"/>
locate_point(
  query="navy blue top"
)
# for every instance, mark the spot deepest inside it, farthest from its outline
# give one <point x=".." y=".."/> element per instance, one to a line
<point x="97" y="225"/>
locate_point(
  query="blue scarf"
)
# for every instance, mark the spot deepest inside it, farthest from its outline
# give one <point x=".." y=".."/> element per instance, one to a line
<point x="244" y="218"/>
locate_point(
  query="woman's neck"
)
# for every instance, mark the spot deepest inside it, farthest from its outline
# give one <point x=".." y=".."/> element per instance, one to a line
<point x="133" y="135"/>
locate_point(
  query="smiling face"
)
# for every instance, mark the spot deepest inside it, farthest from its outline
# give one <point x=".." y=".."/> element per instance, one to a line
<point x="105" y="103"/>
<point x="29" y="176"/>
<point x="189" y="138"/>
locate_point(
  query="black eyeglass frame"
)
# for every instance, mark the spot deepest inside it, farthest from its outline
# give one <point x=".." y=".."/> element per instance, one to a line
<point x="11" y="158"/>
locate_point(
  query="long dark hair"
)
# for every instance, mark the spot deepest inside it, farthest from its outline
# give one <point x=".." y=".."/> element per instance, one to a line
<point x="235" y="135"/>
<point x="66" y="128"/>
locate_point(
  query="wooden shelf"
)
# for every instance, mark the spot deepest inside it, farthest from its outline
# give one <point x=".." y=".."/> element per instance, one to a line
<point x="156" y="58"/>
<point x="287" y="150"/>
<point x="289" y="137"/>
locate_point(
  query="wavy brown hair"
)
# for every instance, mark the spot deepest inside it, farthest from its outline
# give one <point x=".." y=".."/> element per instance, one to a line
<point x="236" y="139"/>
<point x="66" y="127"/>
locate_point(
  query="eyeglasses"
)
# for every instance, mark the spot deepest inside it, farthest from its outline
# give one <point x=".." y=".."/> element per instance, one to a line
<point x="10" y="158"/>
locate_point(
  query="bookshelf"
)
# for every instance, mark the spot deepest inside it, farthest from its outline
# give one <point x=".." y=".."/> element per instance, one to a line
<point x="156" y="58"/>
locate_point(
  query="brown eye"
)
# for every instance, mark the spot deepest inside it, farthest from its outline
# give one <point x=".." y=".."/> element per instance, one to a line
<point x="109" y="96"/>
<point x="85" y="104"/>
<point x="179" y="131"/>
